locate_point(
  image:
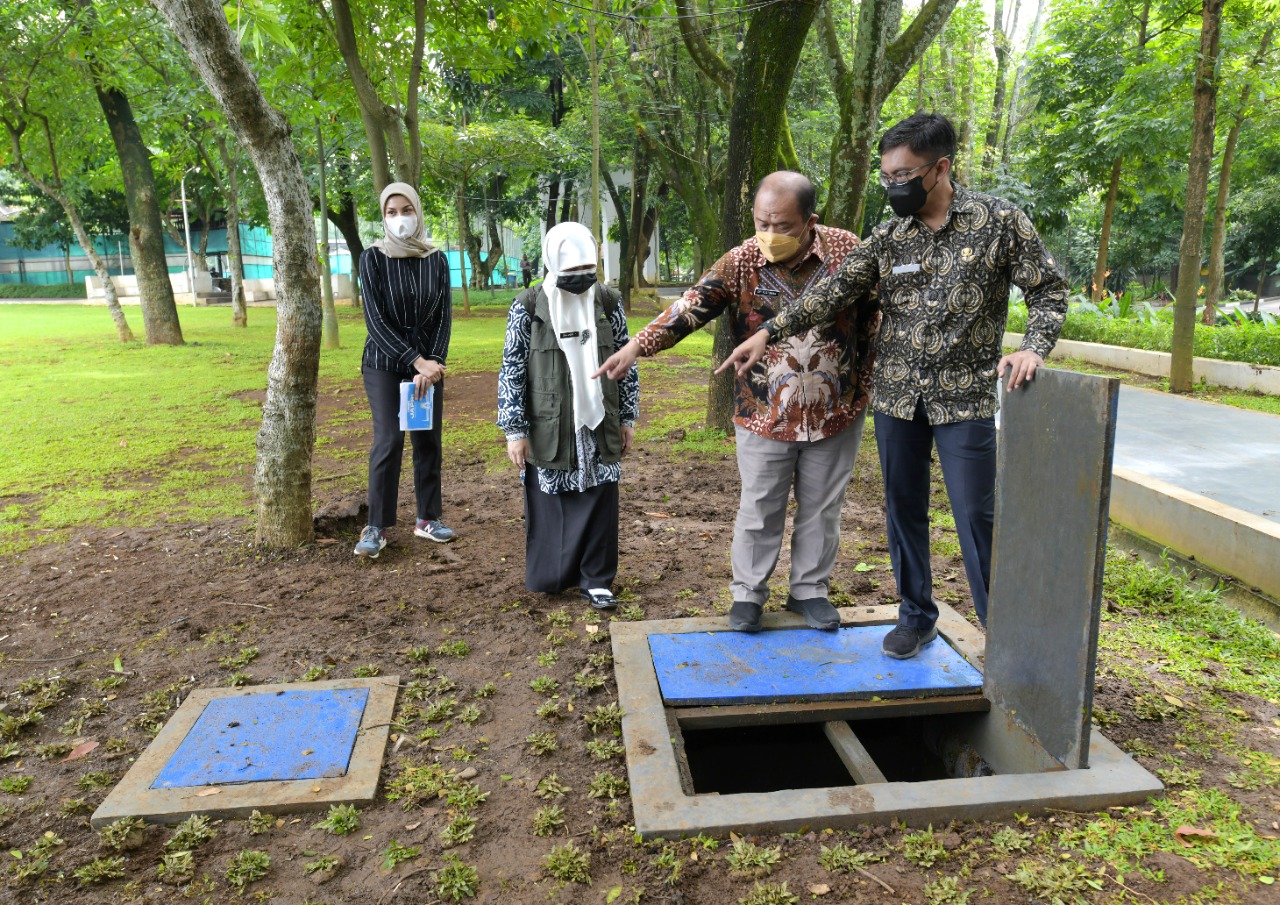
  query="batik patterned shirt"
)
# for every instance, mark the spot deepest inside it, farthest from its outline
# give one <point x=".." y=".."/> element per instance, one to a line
<point x="945" y="301"/>
<point x="807" y="388"/>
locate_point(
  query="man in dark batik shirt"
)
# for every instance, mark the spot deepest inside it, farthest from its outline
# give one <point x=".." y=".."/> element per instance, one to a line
<point x="944" y="265"/>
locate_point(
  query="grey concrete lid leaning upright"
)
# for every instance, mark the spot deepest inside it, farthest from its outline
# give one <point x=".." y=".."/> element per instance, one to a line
<point x="1056" y="440"/>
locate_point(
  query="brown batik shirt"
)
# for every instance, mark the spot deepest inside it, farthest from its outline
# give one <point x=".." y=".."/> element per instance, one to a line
<point x="809" y="387"/>
<point x="945" y="298"/>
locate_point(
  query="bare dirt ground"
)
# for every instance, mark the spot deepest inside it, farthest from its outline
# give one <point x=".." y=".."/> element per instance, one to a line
<point x="174" y="602"/>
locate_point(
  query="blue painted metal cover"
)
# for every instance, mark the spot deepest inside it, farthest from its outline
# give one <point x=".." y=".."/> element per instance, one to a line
<point x="802" y="665"/>
<point x="261" y="737"/>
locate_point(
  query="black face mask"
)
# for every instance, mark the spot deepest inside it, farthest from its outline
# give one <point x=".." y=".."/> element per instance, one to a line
<point x="576" y="283"/>
<point x="908" y="197"/>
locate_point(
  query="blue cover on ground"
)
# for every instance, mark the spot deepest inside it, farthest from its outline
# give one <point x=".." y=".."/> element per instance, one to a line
<point x="802" y="665"/>
<point x="272" y="736"/>
<point x="416" y="414"/>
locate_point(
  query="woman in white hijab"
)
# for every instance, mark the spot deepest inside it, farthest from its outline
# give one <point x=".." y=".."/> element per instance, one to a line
<point x="566" y="432"/>
<point x="408" y="310"/>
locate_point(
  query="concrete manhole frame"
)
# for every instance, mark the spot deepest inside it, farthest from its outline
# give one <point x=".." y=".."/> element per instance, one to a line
<point x="133" y="795"/>
<point x="1028" y="779"/>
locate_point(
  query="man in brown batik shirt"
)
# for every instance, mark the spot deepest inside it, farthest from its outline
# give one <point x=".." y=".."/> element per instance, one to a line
<point x="944" y="265"/>
<point x="799" y="414"/>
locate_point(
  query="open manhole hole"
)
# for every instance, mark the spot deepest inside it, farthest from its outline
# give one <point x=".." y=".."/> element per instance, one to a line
<point x="792" y="727"/>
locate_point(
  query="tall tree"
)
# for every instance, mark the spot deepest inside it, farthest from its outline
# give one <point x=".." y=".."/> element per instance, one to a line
<point x="1244" y="108"/>
<point x="282" y="477"/>
<point x="882" y="56"/>
<point x="1202" y="134"/>
<point x="146" y="236"/>
<point x="31" y="94"/>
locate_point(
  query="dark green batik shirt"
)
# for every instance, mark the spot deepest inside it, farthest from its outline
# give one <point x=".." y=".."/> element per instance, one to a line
<point x="945" y="298"/>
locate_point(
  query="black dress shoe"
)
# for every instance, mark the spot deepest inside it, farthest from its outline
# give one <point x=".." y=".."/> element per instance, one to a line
<point x="817" y="612"/>
<point x="600" y="600"/>
<point x="744" y="616"/>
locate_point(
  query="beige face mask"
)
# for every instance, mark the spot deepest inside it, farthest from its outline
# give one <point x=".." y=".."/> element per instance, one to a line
<point x="777" y="246"/>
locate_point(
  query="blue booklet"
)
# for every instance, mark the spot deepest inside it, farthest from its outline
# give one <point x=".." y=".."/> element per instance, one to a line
<point x="416" y="414"/>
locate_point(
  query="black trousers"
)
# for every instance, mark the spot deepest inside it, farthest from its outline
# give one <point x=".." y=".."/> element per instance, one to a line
<point x="383" y="390"/>
<point x="571" y="539"/>
<point x="967" y="453"/>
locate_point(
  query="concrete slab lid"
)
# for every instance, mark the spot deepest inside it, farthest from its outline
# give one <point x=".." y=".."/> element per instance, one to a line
<point x="1053" y="482"/>
<point x="303" y="734"/>
<point x="358" y="784"/>
<point x="801" y="665"/>
<point x="664" y="809"/>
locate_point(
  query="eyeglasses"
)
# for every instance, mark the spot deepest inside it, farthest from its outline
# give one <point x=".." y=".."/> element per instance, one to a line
<point x="903" y="176"/>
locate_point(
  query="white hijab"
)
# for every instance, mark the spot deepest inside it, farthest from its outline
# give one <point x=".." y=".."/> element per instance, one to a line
<point x="573" y="318"/>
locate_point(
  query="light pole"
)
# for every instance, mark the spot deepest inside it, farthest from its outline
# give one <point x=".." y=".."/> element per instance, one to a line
<point x="186" y="226"/>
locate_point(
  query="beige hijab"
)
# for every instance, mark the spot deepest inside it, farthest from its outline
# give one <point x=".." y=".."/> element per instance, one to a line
<point x="416" y="246"/>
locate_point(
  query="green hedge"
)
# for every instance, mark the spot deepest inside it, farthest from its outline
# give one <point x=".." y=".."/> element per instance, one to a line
<point x="1248" y="342"/>
<point x="42" y="291"/>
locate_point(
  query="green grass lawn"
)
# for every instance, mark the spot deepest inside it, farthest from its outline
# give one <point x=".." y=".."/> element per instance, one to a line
<point x="99" y="433"/>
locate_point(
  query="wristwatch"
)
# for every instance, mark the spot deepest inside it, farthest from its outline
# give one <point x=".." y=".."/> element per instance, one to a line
<point x="770" y="328"/>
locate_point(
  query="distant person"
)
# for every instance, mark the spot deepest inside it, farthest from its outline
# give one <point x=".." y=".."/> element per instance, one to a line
<point x="526" y="270"/>
<point x="944" y="264"/>
<point x="566" y="432"/>
<point x="799" y="414"/>
<point x="409" y="315"/>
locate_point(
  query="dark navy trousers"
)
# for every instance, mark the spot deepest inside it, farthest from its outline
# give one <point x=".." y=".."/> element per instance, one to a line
<point x="967" y="453"/>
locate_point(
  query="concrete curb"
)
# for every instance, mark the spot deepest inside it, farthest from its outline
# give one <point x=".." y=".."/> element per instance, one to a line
<point x="1234" y="374"/>
<point x="1223" y="538"/>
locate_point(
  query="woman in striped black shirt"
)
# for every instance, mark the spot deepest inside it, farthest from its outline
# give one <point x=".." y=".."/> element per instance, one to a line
<point x="408" y="311"/>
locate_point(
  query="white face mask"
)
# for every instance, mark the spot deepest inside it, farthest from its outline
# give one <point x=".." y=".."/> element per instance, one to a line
<point x="403" y="227"/>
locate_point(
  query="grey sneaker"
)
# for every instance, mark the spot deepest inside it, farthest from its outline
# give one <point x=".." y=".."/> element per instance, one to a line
<point x="434" y="529"/>
<point x="744" y="616"/>
<point x="905" y="641"/>
<point x="372" y="540"/>
<point x="817" y="612"/>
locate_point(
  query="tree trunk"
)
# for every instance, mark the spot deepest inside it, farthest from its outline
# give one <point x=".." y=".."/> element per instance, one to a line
<point x="1108" y="213"/>
<point x="1000" y="44"/>
<point x="966" y="165"/>
<point x="553" y="196"/>
<point x="231" y="192"/>
<point x="625" y="270"/>
<point x="1214" y="293"/>
<point x="66" y="263"/>
<point x="766" y="67"/>
<point x="880" y="61"/>
<point x="1206" y="96"/>
<point x="55" y="191"/>
<point x="464" y="240"/>
<point x="146" y="236"/>
<point x="282" y="478"/>
<point x="1015" y="96"/>
<point x="566" y="203"/>
<point x="329" y="316"/>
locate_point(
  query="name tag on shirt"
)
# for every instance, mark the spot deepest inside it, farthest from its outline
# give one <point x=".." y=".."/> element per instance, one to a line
<point x="907" y="268"/>
<point x="569" y="335"/>
<point x="769" y="293"/>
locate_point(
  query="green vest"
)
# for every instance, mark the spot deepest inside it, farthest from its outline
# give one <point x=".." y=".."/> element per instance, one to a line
<point x="548" y="398"/>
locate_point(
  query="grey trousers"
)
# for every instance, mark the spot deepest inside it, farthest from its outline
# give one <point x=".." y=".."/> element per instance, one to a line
<point x="819" y="472"/>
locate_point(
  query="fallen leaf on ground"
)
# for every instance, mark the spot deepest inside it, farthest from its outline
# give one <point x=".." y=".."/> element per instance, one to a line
<point x="80" y="751"/>
<point x="819" y="889"/>
<point x="1183" y="832"/>
<point x="658" y="514"/>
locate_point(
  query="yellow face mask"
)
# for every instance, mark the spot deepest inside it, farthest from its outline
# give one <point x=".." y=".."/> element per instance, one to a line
<point x="777" y="246"/>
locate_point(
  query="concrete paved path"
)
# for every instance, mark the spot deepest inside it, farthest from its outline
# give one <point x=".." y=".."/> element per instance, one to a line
<point x="1228" y="454"/>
